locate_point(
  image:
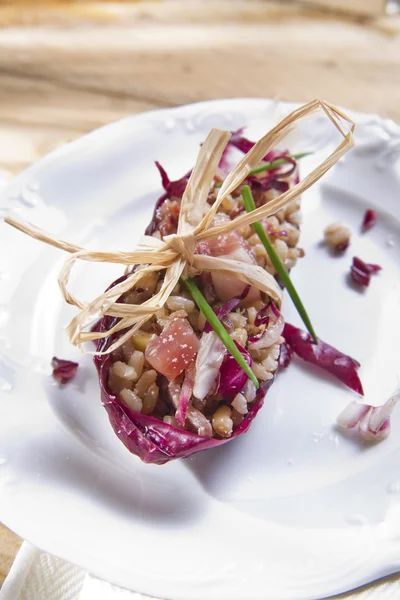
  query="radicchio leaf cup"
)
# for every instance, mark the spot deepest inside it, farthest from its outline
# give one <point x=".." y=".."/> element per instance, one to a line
<point x="147" y="436"/>
<point x="152" y="440"/>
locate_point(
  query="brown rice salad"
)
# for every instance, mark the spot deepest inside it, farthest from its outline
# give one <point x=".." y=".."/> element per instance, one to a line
<point x="172" y="355"/>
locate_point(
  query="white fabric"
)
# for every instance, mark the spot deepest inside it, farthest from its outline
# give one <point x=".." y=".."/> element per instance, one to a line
<point x="36" y="575"/>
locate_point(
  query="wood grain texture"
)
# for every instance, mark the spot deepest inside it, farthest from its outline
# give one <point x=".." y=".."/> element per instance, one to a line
<point x="9" y="546"/>
<point x="58" y="81"/>
<point x="67" y="69"/>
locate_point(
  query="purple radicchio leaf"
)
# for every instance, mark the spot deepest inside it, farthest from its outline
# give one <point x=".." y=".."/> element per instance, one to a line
<point x="232" y="377"/>
<point x="360" y="271"/>
<point x="323" y="355"/>
<point x="64" y="371"/>
<point x="369" y="220"/>
<point x="152" y="440"/>
<point x="228" y="307"/>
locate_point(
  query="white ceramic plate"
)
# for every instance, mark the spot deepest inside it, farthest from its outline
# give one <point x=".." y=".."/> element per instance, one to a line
<point x="292" y="510"/>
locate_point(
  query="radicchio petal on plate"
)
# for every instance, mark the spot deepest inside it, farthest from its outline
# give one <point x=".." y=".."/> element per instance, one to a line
<point x="370" y="422"/>
<point x="361" y="271"/>
<point x="369" y="219"/>
<point x="64" y="371"/>
<point x="323" y="355"/>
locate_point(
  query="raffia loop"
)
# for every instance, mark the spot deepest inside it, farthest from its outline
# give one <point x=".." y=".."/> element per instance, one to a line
<point x="184" y="245"/>
<point x="176" y="253"/>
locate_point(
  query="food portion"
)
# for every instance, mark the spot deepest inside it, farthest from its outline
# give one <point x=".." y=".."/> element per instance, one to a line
<point x="370" y="423"/>
<point x="369" y="220"/>
<point x="189" y="340"/>
<point x="175" y="369"/>
<point x="360" y="271"/>
<point x="64" y="371"/>
<point x="323" y="355"/>
<point x="337" y="237"/>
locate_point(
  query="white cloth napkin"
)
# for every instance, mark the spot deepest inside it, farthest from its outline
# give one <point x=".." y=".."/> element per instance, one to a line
<point x="36" y="575"/>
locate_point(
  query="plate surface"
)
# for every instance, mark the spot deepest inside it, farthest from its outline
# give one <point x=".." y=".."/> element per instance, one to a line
<point x="292" y="510"/>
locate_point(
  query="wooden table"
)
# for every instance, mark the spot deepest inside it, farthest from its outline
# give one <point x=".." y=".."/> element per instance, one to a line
<point x="66" y="70"/>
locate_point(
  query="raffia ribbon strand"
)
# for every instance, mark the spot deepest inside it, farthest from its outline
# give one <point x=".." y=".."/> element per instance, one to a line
<point x="176" y="254"/>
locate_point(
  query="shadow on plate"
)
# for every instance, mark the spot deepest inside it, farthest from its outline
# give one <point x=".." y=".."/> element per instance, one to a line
<point x="230" y="465"/>
<point x="141" y="496"/>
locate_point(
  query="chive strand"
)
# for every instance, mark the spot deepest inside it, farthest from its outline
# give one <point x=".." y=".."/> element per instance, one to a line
<point x="276" y="261"/>
<point x="219" y="329"/>
<point x="269" y="166"/>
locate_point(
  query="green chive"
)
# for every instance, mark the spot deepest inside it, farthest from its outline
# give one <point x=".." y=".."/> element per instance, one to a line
<point x="268" y="166"/>
<point x="276" y="261"/>
<point x="218" y="328"/>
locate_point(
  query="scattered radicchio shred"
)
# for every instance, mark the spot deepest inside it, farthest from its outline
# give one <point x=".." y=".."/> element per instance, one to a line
<point x="232" y="377"/>
<point x="369" y="219"/>
<point x="283" y="174"/>
<point x="274" y="154"/>
<point x="245" y="145"/>
<point x="224" y="162"/>
<point x="228" y="307"/>
<point x="285" y="356"/>
<point x="268" y="183"/>
<point x="262" y="318"/>
<point x="254" y="338"/>
<point x="185" y="395"/>
<point x="366" y="267"/>
<point x="64" y="371"/>
<point x="275" y="309"/>
<point x="323" y="355"/>
<point x="360" y="277"/>
<point x="240" y="142"/>
<point x="361" y="271"/>
<point x="371" y="423"/>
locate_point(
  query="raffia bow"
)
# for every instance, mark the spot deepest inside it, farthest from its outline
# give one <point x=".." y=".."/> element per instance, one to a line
<point x="176" y="253"/>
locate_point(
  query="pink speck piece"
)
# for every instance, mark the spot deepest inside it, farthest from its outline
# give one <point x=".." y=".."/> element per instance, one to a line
<point x="164" y="353"/>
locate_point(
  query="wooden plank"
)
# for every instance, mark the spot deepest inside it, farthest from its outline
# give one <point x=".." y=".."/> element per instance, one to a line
<point x="361" y="7"/>
<point x="71" y="81"/>
<point x="9" y="546"/>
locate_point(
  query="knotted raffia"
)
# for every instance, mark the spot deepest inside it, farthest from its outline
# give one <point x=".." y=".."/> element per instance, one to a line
<point x="175" y="254"/>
